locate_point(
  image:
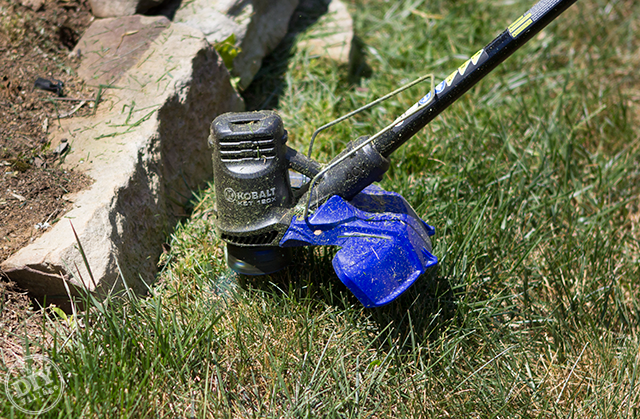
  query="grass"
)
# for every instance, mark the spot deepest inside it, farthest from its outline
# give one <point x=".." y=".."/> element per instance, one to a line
<point x="532" y="183"/>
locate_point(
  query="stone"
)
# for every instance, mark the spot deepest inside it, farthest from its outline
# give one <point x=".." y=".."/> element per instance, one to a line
<point x="146" y="149"/>
<point x="259" y="26"/>
<point x="332" y="36"/>
<point x="116" y="8"/>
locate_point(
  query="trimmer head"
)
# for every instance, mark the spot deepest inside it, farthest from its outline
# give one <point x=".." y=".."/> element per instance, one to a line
<point x="254" y="195"/>
<point x="384" y="245"/>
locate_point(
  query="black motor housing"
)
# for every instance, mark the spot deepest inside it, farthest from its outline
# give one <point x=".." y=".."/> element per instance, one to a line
<point x="253" y="191"/>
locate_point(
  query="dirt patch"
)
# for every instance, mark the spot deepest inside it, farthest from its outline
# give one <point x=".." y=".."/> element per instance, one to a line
<point x="18" y="320"/>
<point x="36" y="44"/>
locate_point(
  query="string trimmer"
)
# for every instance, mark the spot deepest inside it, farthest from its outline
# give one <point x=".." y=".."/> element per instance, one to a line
<point x="384" y="245"/>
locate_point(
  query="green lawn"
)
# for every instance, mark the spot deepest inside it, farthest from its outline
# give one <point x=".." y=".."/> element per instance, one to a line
<point x="532" y="181"/>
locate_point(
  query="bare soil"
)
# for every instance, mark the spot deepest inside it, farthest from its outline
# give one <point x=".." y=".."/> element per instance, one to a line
<point x="18" y="319"/>
<point x="34" y="44"/>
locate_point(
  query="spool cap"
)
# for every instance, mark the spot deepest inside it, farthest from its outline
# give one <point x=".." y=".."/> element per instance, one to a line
<point x="259" y="260"/>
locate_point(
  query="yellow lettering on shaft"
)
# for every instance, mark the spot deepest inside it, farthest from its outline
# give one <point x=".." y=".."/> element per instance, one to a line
<point x="476" y="57"/>
<point x="463" y="68"/>
<point x="449" y="79"/>
<point x="517" y="27"/>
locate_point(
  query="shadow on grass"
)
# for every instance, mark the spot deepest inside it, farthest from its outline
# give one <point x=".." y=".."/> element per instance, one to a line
<point x="269" y="83"/>
<point x="419" y="313"/>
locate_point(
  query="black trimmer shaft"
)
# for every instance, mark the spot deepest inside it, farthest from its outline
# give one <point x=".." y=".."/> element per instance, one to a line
<point x="348" y="177"/>
<point x="471" y="72"/>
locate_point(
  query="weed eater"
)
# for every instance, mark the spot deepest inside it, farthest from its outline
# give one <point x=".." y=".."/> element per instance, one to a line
<point x="384" y="245"/>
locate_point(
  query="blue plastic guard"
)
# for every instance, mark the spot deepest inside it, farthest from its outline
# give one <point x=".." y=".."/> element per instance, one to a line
<point x="385" y="246"/>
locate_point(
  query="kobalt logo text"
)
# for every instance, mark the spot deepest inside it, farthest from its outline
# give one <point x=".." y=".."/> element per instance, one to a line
<point x="263" y="197"/>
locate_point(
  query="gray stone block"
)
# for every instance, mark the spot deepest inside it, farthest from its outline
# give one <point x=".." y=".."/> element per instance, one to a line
<point x="259" y="26"/>
<point x="146" y="149"/>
